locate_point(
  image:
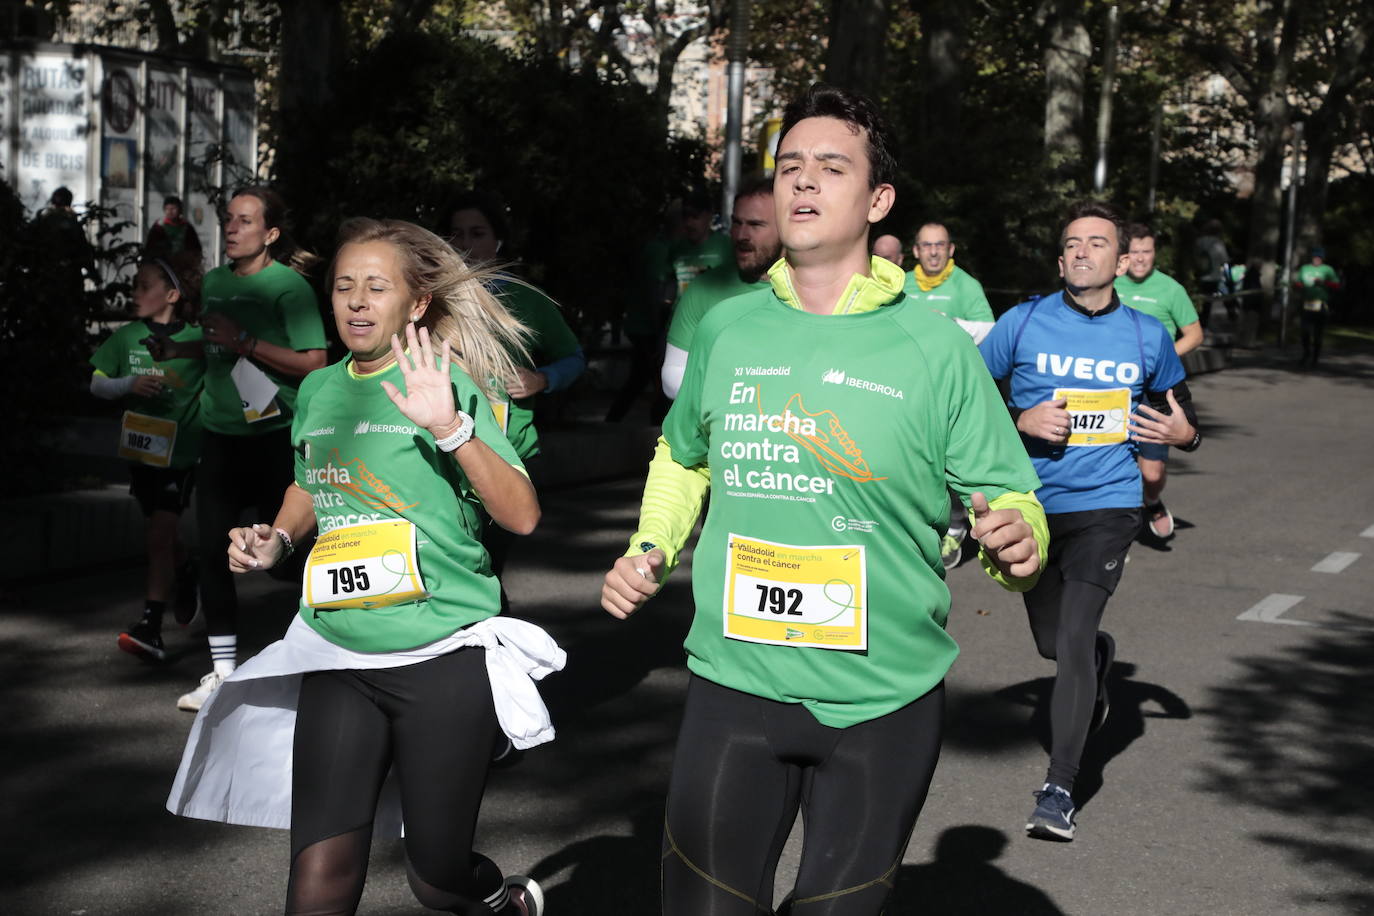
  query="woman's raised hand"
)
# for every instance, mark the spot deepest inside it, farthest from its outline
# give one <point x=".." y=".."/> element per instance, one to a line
<point x="428" y="398"/>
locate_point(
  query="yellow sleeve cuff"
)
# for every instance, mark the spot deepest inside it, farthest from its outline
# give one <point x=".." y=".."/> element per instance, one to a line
<point x="1034" y="514"/>
<point x="673" y="496"/>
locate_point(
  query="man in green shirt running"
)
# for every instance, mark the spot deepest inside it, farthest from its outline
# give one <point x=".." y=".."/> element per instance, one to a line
<point x="1159" y="295"/>
<point x="945" y="287"/>
<point x="755" y="238"/>
<point x="889" y="247"/>
<point x="949" y="290"/>
<point x="1315" y="279"/>
<point x="826" y="415"/>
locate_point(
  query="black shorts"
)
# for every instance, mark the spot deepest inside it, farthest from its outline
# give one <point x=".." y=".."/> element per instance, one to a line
<point x="1090" y="546"/>
<point x="161" y="489"/>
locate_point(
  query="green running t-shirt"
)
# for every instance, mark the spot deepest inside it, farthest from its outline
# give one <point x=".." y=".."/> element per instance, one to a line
<point x="701" y="295"/>
<point x="122" y="354"/>
<point x="551" y="339"/>
<point x="689" y="260"/>
<point x="361" y="460"/>
<point x="1313" y="278"/>
<point x="960" y="296"/>
<point x="1160" y="296"/>
<point x="275" y="305"/>
<point x="830" y="441"/>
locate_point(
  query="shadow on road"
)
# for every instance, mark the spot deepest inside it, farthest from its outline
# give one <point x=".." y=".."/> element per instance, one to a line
<point x="1294" y="733"/>
<point x="1132" y="702"/>
<point x="963" y="879"/>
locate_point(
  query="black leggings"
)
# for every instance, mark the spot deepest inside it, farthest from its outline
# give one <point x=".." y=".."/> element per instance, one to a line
<point x="743" y="767"/>
<point x="435" y="723"/>
<point x="236" y="473"/>
<point x="1087" y="555"/>
<point x="1313" y="327"/>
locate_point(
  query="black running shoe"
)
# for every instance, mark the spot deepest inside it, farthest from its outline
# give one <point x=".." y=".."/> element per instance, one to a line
<point x="1105" y="654"/>
<point x="144" y="640"/>
<point x="1052" y="818"/>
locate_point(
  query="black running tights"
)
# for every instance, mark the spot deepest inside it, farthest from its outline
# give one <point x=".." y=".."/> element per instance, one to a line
<point x="1064" y="617"/>
<point x="745" y="765"/>
<point x="435" y="723"/>
<point x="236" y="473"/>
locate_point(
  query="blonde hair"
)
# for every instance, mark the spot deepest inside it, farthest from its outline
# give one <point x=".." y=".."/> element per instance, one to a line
<point x="485" y="339"/>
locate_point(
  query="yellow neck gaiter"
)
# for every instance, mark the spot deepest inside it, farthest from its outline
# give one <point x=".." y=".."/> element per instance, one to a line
<point x="863" y="294"/>
<point x="927" y="282"/>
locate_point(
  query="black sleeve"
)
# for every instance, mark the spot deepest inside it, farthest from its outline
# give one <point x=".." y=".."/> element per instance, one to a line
<point x="1184" y="397"/>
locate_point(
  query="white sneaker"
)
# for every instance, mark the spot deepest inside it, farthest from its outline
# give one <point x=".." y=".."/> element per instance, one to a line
<point x="526" y="895"/>
<point x="193" y="701"/>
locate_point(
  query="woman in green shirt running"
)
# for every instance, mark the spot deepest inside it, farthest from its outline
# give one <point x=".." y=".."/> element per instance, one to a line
<point x="160" y="431"/>
<point x="398" y="660"/>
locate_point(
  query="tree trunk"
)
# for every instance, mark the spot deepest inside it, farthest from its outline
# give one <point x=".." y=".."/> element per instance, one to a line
<point x="1067" y="50"/>
<point x="312" y="57"/>
<point x="939" y="117"/>
<point x="1276" y="41"/>
<point x="856" y="55"/>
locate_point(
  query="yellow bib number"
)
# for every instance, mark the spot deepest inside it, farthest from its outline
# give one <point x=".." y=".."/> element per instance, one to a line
<point x="372" y="564"/>
<point x="501" y="411"/>
<point x="148" y="440"/>
<point x="786" y="595"/>
<point x="1098" y="416"/>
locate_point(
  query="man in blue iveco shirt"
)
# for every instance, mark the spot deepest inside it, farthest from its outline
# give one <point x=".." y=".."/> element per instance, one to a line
<point x="1088" y="379"/>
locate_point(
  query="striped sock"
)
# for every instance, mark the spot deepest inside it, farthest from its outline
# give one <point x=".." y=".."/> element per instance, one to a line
<point x="224" y="653"/>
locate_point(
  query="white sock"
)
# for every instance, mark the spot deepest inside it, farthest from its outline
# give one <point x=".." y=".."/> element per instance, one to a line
<point x="224" y="653"/>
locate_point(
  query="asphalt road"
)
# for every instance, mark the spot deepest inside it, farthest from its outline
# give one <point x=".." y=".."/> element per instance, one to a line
<point x="1232" y="778"/>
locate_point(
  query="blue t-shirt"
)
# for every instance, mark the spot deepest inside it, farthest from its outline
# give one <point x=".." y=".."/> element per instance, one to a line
<point x="1105" y="363"/>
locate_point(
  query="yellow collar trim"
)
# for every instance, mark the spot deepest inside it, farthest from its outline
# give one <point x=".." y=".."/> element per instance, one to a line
<point x="354" y="373"/>
<point x="863" y="294"/>
<point x="927" y="282"/>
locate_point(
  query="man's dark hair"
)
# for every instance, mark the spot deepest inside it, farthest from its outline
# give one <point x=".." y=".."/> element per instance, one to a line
<point x="854" y="109"/>
<point x="1138" y="231"/>
<point x="753" y="186"/>
<point x="62" y="197"/>
<point x="174" y="200"/>
<point x="486" y="204"/>
<point x="1082" y="209"/>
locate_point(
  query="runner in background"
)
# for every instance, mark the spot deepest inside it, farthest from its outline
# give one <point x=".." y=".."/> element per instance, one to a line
<point x="1316" y="279"/>
<point x="754" y="235"/>
<point x="889" y="247"/>
<point x="262" y="334"/>
<point x="1155" y="293"/>
<point x="172" y="234"/>
<point x="826" y="415"/>
<point x="937" y="282"/>
<point x="1088" y="378"/>
<point x="551" y="360"/>
<point x="398" y="661"/>
<point x="160" y="433"/>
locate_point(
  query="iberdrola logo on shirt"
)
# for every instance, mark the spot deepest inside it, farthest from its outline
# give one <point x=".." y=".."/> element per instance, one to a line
<point x="354" y="477"/>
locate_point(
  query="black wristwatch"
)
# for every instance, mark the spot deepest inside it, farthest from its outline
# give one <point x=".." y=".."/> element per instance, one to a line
<point x="1192" y="446"/>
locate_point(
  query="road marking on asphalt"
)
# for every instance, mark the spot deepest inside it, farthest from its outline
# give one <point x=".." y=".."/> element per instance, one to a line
<point x="1368" y="532"/>
<point x="1336" y="562"/>
<point x="1272" y="608"/>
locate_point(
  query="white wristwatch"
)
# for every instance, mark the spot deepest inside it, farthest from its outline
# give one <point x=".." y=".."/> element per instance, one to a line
<point x="463" y="433"/>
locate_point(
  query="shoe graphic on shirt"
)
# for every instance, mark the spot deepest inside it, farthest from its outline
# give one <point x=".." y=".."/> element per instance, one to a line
<point x="831" y="443"/>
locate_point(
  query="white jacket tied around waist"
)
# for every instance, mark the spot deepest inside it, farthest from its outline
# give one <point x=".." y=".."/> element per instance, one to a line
<point x="237" y="764"/>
